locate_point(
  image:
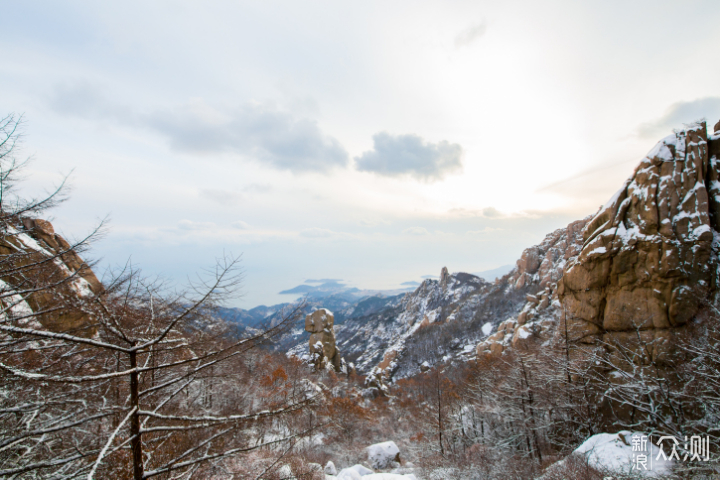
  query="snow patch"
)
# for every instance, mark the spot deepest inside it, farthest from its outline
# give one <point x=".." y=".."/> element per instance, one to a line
<point x="487" y="328"/>
<point x="614" y="452"/>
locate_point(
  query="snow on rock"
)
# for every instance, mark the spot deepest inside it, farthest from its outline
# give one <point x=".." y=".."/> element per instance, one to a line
<point x="330" y="468"/>
<point x="361" y="469"/>
<point x="649" y="256"/>
<point x="389" y="476"/>
<point x="349" y="474"/>
<point x="539" y="269"/>
<point x="487" y="328"/>
<point x="381" y="455"/>
<point x="285" y="472"/>
<point x="614" y="452"/>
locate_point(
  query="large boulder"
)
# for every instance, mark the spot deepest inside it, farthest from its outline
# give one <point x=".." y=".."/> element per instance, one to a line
<point x="382" y="455"/>
<point x="330" y="468"/>
<point x="617" y="453"/>
<point x="647" y="259"/>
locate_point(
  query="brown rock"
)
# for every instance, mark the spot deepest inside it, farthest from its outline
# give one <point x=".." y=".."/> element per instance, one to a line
<point x="72" y="280"/>
<point x="646" y="260"/>
<point x="322" y="339"/>
<point x="319" y="320"/>
<point x="444" y="277"/>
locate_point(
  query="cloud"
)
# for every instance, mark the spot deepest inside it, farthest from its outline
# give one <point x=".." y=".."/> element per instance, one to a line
<point x="680" y="113"/>
<point x="316" y="233"/>
<point x="223" y="197"/>
<point x="416" y="231"/>
<point x="259" y="131"/>
<point x="262" y="132"/>
<point x="484" y="231"/>
<point x="366" y="222"/>
<point x="323" y="280"/>
<point x="190" y="225"/>
<point x="411" y="284"/>
<point x="429" y="276"/>
<point x="84" y="99"/>
<point x="241" y="225"/>
<point x="257" y="188"/>
<point x="395" y="155"/>
<point x="488" y="212"/>
<point x="470" y="34"/>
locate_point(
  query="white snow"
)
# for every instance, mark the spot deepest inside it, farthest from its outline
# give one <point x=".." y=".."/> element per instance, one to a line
<point x="82" y="287"/>
<point x="389" y="476"/>
<point x="18" y="307"/>
<point x="614" y="452"/>
<point x="487" y="328"/>
<point x="349" y="474"/>
<point x="661" y="150"/>
<point x="523" y="332"/>
<point x="330" y="468"/>
<point x="362" y="469"/>
<point x="381" y="455"/>
<point x="285" y="472"/>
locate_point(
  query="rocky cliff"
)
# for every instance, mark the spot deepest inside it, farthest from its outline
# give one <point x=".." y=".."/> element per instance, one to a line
<point x="636" y="271"/>
<point x="41" y="272"/>
<point x="538" y="270"/>
<point x="650" y="256"/>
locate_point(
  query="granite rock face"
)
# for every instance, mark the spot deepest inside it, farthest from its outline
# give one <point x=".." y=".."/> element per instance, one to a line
<point x="649" y="256"/>
<point x="538" y="271"/>
<point x="323" y="347"/>
<point x="42" y="263"/>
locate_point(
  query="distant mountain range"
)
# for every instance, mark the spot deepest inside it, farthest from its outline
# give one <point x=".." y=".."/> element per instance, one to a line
<point x="343" y="300"/>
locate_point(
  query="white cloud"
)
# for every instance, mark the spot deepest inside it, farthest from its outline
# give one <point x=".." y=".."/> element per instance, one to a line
<point x="416" y="231"/>
<point x="260" y="131"/>
<point x="317" y="233"/>
<point x="241" y="225"/>
<point x="396" y="155"/>
<point x="366" y="222"/>
<point x="680" y="113"/>
<point x="484" y="231"/>
<point x="470" y="34"/>
<point x="223" y="197"/>
<point x="190" y="225"/>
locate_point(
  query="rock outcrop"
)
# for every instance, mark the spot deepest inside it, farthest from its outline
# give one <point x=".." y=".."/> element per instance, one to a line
<point x="323" y="347"/>
<point x="48" y="271"/>
<point x="538" y="271"/>
<point x="649" y="256"/>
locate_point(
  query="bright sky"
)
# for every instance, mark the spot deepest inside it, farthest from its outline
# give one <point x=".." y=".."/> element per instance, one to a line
<point x="373" y="142"/>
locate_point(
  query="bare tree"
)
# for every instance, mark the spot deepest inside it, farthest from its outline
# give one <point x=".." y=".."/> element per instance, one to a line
<point x="100" y="381"/>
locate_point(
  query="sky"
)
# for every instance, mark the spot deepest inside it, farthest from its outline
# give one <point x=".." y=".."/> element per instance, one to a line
<point x="373" y="142"/>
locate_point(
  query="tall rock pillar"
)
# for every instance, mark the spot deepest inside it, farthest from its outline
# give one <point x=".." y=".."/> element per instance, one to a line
<point x="322" y="339"/>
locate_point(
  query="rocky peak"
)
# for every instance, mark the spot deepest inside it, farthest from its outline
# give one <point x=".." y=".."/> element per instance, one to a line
<point x="444" y="276"/>
<point x="649" y="256"/>
<point x="323" y="346"/>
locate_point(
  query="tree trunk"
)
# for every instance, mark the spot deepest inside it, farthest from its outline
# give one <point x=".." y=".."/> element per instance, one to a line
<point x="136" y="442"/>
